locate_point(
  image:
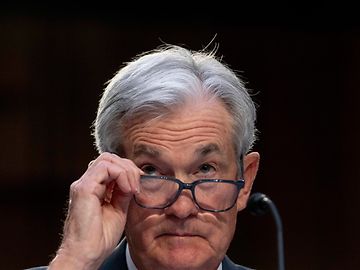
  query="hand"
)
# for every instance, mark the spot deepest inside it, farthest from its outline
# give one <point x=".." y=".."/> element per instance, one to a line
<point x="97" y="212"/>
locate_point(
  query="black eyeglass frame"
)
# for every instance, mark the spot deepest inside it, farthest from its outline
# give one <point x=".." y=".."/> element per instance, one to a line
<point x="240" y="183"/>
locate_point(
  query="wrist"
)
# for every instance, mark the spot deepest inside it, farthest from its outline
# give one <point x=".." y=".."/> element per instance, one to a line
<point x="71" y="261"/>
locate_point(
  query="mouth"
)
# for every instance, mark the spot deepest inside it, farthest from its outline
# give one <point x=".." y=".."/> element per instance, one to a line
<point x="182" y="231"/>
<point x="179" y="234"/>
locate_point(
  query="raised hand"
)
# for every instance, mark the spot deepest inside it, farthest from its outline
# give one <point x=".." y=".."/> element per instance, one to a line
<point x="97" y="212"/>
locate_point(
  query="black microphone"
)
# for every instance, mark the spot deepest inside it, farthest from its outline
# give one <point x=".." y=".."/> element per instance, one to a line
<point x="258" y="205"/>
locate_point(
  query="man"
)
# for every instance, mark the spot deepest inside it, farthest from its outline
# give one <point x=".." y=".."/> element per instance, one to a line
<point x="174" y="130"/>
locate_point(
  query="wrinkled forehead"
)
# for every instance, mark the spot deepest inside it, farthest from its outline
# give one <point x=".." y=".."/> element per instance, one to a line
<point x="196" y="107"/>
<point x="191" y="106"/>
<point x="185" y="126"/>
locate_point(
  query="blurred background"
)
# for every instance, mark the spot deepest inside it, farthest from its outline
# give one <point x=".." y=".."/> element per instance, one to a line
<point x="302" y="62"/>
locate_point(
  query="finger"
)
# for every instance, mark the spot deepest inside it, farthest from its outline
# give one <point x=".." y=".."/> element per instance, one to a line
<point x="104" y="156"/>
<point x="111" y="157"/>
<point x="124" y="182"/>
<point x="132" y="171"/>
<point x="101" y="174"/>
<point x="125" y="162"/>
<point x="120" y="201"/>
<point x="133" y="174"/>
<point x="114" y="158"/>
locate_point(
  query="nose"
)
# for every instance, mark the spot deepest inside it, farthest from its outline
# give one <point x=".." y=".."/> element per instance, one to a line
<point x="184" y="206"/>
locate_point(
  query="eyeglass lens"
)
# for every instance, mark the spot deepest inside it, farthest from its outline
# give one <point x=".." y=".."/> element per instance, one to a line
<point x="158" y="193"/>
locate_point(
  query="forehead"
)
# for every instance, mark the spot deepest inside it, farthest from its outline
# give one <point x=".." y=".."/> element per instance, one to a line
<point x="188" y="127"/>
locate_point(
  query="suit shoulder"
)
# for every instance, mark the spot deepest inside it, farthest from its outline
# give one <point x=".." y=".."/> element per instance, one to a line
<point x="228" y="264"/>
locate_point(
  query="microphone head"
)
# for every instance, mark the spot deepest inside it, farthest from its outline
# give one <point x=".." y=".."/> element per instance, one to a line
<point x="258" y="204"/>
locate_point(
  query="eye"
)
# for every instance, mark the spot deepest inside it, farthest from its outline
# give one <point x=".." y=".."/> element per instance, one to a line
<point x="149" y="169"/>
<point x="206" y="168"/>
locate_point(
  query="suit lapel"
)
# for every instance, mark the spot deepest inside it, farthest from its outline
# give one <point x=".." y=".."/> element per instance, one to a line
<point x="117" y="259"/>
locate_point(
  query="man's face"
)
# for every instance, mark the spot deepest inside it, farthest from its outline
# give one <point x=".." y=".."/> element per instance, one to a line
<point x="192" y="143"/>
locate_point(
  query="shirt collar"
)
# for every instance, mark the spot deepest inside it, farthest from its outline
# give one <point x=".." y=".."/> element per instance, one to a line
<point x="131" y="266"/>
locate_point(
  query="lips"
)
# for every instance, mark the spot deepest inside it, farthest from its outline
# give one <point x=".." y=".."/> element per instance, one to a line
<point x="182" y="230"/>
<point x="179" y="234"/>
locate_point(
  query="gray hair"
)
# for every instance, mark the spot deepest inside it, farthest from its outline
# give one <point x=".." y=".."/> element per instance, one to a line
<point x="155" y="82"/>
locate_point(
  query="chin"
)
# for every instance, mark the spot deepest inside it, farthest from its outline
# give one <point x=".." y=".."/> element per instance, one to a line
<point x="195" y="256"/>
<point x="182" y="263"/>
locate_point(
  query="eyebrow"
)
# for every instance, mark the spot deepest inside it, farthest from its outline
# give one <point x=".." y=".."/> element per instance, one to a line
<point x="142" y="149"/>
<point x="207" y="149"/>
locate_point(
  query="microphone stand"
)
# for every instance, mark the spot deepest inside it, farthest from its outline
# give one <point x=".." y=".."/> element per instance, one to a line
<point x="258" y="205"/>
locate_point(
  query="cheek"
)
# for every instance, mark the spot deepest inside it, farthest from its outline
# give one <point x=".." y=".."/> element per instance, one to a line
<point x="229" y="230"/>
<point x="138" y="229"/>
<point x="225" y="231"/>
<point x="134" y="214"/>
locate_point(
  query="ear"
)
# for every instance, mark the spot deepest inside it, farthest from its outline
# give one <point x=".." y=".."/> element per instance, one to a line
<point x="251" y="165"/>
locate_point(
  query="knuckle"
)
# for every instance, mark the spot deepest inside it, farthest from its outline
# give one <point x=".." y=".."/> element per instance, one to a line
<point x="74" y="185"/>
<point x="91" y="163"/>
<point x="102" y="165"/>
<point x="83" y="188"/>
<point x="106" y="155"/>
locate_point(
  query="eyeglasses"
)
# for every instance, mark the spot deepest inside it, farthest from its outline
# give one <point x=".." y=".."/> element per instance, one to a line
<point x="214" y="195"/>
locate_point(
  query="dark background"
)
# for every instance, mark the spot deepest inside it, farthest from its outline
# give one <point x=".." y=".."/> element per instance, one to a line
<point x="302" y="60"/>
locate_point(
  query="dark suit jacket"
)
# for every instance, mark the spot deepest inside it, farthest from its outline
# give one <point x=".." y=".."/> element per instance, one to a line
<point x="117" y="261"/>
<point x="118" y="258"/>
